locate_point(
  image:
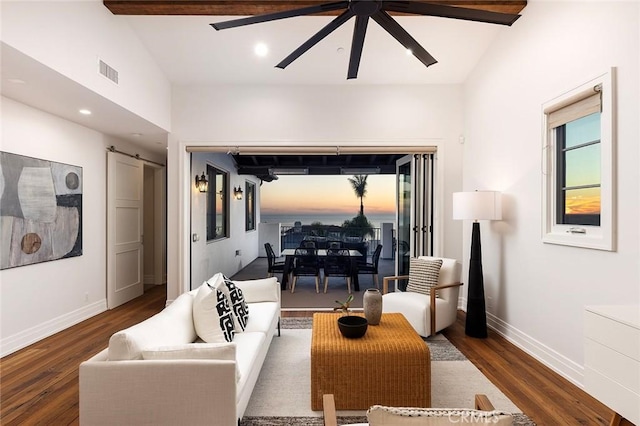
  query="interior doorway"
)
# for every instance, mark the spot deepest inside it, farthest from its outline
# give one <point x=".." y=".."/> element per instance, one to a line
<point x="136" y="227"/>
<point x="264" y="162"/>
<point x="154" y="259"/>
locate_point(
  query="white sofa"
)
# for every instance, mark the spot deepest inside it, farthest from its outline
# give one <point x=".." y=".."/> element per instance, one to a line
<point x="119" y="387"/>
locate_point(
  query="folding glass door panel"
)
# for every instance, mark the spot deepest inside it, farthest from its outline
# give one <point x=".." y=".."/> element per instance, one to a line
<point x="414" y="208"/>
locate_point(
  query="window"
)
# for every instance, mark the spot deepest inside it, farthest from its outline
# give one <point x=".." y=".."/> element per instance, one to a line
<point x="577" y="167"/>
<point x="217" y="204"/>
<point x="250" y="206"/>
<point x="578" y="172"/>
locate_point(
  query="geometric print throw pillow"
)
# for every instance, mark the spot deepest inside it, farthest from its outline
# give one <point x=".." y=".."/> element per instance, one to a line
<point x="212" y="316"/>
<point x="423" y="274"/>
<point x="238" y="304"/>
<point x="225" y="316"/>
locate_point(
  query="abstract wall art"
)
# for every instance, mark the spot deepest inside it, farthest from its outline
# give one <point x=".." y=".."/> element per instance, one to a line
<point x="40" y="210"/>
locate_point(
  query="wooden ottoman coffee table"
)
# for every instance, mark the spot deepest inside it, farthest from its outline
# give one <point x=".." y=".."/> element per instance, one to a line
<point x="390" y="365"/>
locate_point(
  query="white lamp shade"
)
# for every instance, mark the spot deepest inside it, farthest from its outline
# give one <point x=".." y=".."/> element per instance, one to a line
<point x="477" y="205"/>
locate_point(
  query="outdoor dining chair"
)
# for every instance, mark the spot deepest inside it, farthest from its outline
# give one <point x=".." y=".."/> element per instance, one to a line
<point x="306" y="263"/>
<point x="372" y="268"/>
<point x="308" y="244"/>
<point x="273" y="267"/>
<point x="337" y="264"/>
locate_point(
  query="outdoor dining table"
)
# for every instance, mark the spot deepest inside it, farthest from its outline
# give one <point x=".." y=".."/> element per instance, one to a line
<point x="290" y="255"/>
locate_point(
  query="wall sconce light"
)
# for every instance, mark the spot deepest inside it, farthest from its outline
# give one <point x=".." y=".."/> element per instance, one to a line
<point x="202" y="184"/>
<point x="237" y="192"/>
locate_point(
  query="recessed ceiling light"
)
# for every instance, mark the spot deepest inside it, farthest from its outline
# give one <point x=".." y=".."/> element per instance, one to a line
<point x="16" y="81"/>
<point x="137" y="135"/>
<point x="84" y="111"/>
<point x="261" y="49"/>
<point x="340" y="50"/>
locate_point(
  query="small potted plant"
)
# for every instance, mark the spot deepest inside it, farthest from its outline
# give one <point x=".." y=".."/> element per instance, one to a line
<point x="351" y="326"/>
<point x="344" y="306"/>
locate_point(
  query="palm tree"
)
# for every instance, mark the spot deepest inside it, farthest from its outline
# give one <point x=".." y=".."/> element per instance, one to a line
<point x="359" y="184"/>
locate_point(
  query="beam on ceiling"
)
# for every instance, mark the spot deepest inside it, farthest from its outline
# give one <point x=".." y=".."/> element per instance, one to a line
<point x="259" y="7"/>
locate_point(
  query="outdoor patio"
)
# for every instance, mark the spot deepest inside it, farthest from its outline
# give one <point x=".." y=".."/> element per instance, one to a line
<point x="305" y="296"/>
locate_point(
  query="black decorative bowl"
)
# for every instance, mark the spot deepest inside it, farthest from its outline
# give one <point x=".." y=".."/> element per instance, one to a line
<point x="352" y="326"/>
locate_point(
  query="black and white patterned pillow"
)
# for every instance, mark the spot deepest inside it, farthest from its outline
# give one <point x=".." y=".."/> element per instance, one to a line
<point x="238" y="304"/>
<point x="212" y="316"/>
<point x="423" y="274"/>
<point x="225" y="316"/>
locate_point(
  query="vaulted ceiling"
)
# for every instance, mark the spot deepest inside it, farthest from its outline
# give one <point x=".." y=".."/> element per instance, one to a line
<point x="178" y="35"/>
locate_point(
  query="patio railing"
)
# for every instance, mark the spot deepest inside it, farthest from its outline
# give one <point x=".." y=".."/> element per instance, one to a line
<point x="292" y="237"/>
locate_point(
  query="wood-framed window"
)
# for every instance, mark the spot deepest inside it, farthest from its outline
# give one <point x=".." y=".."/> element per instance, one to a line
<point x="250" y="206"/>
<point x="217" y="204"/>
<point x="577" y="169"/>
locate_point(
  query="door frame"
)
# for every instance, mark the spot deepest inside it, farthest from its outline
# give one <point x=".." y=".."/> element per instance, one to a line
<point x="160" y="225"/>
<point x="179" y="174"/>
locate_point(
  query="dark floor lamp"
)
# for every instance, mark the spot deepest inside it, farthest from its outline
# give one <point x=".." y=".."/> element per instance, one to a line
<point x="477" y="205"/>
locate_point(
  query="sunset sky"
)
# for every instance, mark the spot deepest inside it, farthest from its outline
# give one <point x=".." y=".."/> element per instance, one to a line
<point x="583" y="165"/>
<point x="326" y="195"/>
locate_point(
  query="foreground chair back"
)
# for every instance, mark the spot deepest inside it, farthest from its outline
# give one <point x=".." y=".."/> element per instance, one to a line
<point x="430" y="303"/>
<point x="483" y="414"/>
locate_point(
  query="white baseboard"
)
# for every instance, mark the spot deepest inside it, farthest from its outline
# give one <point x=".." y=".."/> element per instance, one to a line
<point x="32" y="335"/>
<point x="557" y="362"/>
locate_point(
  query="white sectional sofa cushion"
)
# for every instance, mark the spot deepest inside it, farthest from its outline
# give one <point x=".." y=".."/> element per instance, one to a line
<point x="193" y="351"/>
<point x="175" y="321"/>
<point x="118" y="386"/>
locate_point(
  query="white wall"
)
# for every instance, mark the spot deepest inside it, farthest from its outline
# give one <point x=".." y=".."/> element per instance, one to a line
<point x="312" y="115"/>
<point x="71" y="36"/>
<point x="207" y="258"/>
<point x="41" y="299"/>
<point x="537" y="291"/>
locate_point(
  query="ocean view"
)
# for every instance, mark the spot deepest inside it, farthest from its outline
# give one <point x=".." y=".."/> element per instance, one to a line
<point x="325" y="219"/>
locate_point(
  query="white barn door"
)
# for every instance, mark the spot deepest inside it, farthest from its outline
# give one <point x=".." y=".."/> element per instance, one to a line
<point x="124" y="229"/>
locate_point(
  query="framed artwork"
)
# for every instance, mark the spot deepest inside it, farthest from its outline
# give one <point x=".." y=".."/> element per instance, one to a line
<point x="40" y="210"/>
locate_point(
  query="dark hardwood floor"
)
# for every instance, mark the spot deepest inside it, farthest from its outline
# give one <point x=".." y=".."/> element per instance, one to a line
<point x="39" y="384"/>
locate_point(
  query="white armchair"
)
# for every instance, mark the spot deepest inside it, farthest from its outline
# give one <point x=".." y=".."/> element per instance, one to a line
<point x="427" y="313"/>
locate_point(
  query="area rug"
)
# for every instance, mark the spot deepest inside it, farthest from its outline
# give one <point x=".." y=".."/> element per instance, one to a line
<point x="282" y="393"/>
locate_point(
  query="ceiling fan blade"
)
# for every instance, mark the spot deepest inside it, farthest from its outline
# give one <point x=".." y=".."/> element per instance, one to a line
<point x="454" y="12"/>
<point x="328" y="29"/>
<point x="357" y="43"/>
<point x="405" y="39"/>
<point x="280" y="15"/>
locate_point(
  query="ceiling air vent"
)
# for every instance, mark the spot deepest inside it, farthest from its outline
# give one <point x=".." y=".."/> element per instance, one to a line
<point x="108" y="72"/>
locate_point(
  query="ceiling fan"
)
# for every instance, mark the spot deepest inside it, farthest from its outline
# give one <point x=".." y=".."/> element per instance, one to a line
<point x="376" y="10"/>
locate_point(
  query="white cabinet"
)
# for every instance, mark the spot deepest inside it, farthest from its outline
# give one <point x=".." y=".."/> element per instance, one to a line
<point x="612" y="357"/>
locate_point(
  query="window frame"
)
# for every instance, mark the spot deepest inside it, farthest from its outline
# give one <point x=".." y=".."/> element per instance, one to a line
<point x="213" y="195"/>
<point x="250" y="206"/>
<point x="602" y="236"/>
